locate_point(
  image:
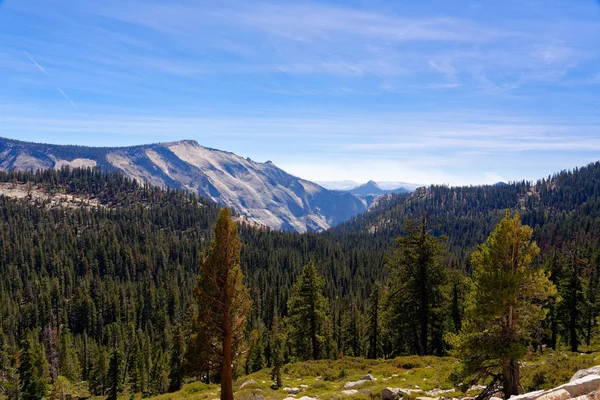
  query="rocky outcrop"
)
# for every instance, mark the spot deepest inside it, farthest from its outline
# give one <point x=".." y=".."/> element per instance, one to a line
<point x="390" y="393"/>
<point x="582" y="373"/>
<point x="262" y="193"/>
<point x="365" y="379"/>
<point x="584" y="385"/>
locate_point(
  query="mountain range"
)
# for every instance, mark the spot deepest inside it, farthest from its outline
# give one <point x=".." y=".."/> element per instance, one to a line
<point x="260" y="192"/>
<point x="349" y="185"/>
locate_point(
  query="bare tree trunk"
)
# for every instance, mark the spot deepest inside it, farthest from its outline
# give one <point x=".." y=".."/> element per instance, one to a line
<point x="226" y="373"/>
<point x="511" y="378"/>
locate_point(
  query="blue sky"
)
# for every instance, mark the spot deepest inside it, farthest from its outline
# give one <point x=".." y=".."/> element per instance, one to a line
<point x="449" y="91"/>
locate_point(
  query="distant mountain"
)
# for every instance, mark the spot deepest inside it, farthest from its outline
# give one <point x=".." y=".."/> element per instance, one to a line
<point x="557" y="208"/>
<point x="384" y="185"/>
<point x="372" y="188"/>
<point x="261" y="192"/>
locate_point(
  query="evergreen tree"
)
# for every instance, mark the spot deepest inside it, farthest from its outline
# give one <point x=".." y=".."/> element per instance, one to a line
<point x="68" y="358"/>
<point x="256" y="352"/>
<point x="33" y="369"/>
<point x="571" y="308"/>
<point x="223" y="298"/>
<point x="8" y="374"/>
<point x="115" y="374"/>
<point x="505" y="306"/>
<point x="278" y="350"/>
<point x="417" y="283"/>
<point x="98" y="379"/>
<point x="177" y="359"/>
<point x="373" y="332"/>
<point x="307" y="313"/>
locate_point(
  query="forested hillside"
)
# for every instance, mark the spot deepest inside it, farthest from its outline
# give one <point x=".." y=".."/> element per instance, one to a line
<point x="82" y="280"/>
<point x="104" y="294"/>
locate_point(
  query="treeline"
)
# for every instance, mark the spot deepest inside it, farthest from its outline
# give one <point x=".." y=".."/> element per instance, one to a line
<point x="101" y="300"/>
<point x="96" y="292"/>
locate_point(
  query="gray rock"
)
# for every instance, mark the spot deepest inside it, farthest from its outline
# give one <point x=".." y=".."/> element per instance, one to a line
<point x="350" y="385"/>
<point x="437" y="392"/>
<point x="390" y="393"/>
<point x="581" y="386"/>
<point x="557" y="394"/>
<point x="349" y="392"/>
<point x="368" y="377"/>
<point x="248" y="382"/>
<point x="585" y="372"/>
<point x="260" y="192"/>
<point x="528" y="396"/>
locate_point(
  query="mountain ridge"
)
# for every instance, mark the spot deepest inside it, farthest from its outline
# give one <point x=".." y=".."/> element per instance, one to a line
<point x="261" y="192"/>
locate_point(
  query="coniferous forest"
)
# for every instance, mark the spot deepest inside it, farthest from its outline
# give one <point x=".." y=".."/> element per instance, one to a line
<point x="119" y="292"/>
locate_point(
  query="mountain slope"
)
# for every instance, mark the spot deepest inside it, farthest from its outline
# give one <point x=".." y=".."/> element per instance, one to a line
<point x="555" y="207"/>
<point x="261" y="192"/>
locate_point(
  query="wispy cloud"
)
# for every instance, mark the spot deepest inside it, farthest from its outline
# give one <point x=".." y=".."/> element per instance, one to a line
<point x="46" y="73"/>
<point x="35" y="63"/>
<point x="419" y="84"/>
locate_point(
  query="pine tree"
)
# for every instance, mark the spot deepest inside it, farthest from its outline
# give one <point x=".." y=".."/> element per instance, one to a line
<point x="505" y="306"/>
<point x="417" y="282"/>
<point x="33" y="369"/>
<point x="114" y="374"/>
<point x="307" y="313"/>
<point x="7" y="371"/>
<point x="98" y="378"/>
<point x="373" y="332"/>
<point x="223" y="298"/>
<point x="571" y="308"/>
<point x="278" y="350"/>
<point x="177" y="359"/>
<point x="256" y="353"/>
<point x="68" y="359"/>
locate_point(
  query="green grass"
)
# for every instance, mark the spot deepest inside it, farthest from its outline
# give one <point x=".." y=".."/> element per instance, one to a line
<point x="326" y="378"/>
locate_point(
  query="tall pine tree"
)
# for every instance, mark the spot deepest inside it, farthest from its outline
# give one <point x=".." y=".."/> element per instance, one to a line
<point x="505" y="307"/>
<point x="307" y="309"/>
<point x="223" y="298"/>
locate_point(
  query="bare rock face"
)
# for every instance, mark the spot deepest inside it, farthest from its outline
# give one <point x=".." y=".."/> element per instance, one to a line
<point x="262" y="193"/>
<point x="584" y="385"/>
<point x="585" y="372"/>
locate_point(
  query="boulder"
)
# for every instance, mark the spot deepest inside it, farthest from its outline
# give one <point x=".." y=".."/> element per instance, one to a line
<point x="350" y="385"/>
<point x="291" y="390"/>
<point x="437" y="392"/>
<point x="248" y="382"/>
<point x="349" y="392"/>
<point x="368" y="377"/>
<point x="585" y="372"/>
<point x="390" y="393"/>
<point x="557" y="394"/>
<point x="589" y="396"/>
<point x="426" y="398"/>
<point x="307" y="398"/>
<point x="255" y="396"/>
<point x="581" y="386"/>
<point x="303" y="386"/>
<point x="495" y="398"/>
<point x="528" y="396"/>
